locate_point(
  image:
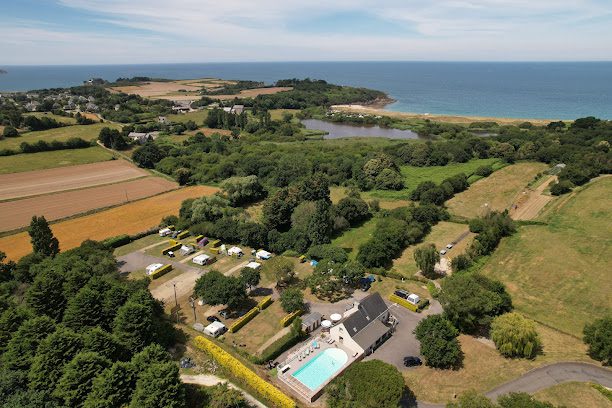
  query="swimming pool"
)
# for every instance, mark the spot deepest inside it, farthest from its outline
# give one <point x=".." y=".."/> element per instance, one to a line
<point x="321" y="368"/>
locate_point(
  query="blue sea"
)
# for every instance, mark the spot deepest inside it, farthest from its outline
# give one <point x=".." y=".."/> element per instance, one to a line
<point x="549" y="90"/>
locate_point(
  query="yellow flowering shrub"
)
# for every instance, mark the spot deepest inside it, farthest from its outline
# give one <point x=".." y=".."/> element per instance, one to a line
<point x="171" y="248"/>
<point x="265" y="302"/>
<point x="161" y="271"/>
<point x="403" y="302"/>
<point x="244" y="320"/>
<point x="286" y="321"/>
<point x="272" y="394"/>
<point x="183" y="234"/>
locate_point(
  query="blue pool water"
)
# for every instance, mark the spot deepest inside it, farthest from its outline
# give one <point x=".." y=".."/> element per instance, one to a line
<point x="318" y="370"/>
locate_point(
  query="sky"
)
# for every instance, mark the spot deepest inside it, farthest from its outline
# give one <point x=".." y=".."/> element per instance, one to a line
<point x="34" y="32"/>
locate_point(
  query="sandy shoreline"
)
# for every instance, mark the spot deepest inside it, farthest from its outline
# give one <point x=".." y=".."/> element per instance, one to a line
<point x="377" y="109"/>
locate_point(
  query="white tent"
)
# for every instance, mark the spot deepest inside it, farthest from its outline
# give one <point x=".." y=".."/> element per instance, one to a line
<point x="253" y="265"/>
<point x="261" y="254"/>
<point x="186" y="250"/>
<point x="153" y="267"/>
<point x="414" y="299"/>
<point x="234" y="251"/>
<point x="201" y="259"/>
<point x="215" y="329"/>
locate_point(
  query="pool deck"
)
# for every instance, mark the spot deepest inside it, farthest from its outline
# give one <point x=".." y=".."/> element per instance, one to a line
<point x="295" y="363"/>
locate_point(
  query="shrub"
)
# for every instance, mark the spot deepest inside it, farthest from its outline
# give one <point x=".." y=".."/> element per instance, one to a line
<point x="171" y="248"/>
<point x="116" y="242"/>
<point x="285" y="321"/>
<point x="183" y="234"/>
<point x="562" y="187"/>
<point x="239" y="370"/>
<point x="598" y="336"/>
<point x="515" y="336"/>
<point x="265" y="302"/>
<point x="403" y="302"/>
<point x="238" y="324"/>
<point x="161" y="272"/>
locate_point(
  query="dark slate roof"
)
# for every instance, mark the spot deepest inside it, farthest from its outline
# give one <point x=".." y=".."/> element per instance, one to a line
<point x="373" y="332"/>
<point x="311" y="318"/>
<point x="368" y="310"/>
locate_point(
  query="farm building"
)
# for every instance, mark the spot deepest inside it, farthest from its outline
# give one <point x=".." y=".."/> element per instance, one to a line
<point x="153" y="267"/>
<point x="237" y="109"/>
<point x="142" y="138"/>
<point x="365" y="326"/>
<point x="261" y="254"/>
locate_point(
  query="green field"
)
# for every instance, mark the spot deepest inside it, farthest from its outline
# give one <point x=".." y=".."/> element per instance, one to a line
<point x="48" y="160"/>
<point x="559" y="273"/>
<point x="63" y="119"/>
<point x="415" y="175"/>
<point x="86" y="132"/>
<point x="352" y="239"/>
<point x="198" y="117"/>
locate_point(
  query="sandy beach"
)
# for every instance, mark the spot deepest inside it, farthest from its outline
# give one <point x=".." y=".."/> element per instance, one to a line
<point x="378" y="110"/>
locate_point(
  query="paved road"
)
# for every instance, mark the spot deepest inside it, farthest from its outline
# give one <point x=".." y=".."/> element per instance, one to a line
<point x="544" y="377"/>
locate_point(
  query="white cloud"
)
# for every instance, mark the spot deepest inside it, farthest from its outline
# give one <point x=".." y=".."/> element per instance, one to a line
<point x="242" y="30"/>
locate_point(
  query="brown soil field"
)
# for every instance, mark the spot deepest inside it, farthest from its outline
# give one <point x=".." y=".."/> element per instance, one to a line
<point x="170" y="89"/>
<point x="18" y="213"/>
<point x="251" y="93"/>
<point x="126" y="219"/>
<point x="30" y="183"/>
<point x="440" y="118"/>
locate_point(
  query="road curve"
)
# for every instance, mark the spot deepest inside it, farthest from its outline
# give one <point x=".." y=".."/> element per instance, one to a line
<point x="544" y="377"/>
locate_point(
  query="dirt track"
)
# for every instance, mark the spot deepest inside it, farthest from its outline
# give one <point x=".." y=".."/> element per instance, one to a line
<point x="529" y="205"/>
<point x="17" y="213"/>
<point x="39" y="182"/>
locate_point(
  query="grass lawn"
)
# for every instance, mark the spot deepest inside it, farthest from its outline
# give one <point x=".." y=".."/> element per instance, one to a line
<point x="337" y="193"/>
<point x="140" y="244"/>
<point x="197" y="116"/>
<point x="415" y="175"/>
<point x="86" y="132"/>
<point x="62" y="119"/>
<point x="484" y="368"/>
<point x="496" y="192"/>
<point x="263" y="326"/>
<point x="573" y="395"/>
<point x="559" y="273"/>
<point x="277" y="114"/>
<point x="441" y="234"/>
<point x="48" y="160"/>
<point x="352" y="239"/>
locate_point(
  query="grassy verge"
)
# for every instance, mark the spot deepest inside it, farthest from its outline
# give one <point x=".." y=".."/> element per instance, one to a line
<point x="574" y="395"/>
<point x="86" y="132"/>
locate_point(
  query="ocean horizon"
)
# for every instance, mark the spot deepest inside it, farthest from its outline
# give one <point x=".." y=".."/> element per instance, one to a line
<point x="539" y="90"/>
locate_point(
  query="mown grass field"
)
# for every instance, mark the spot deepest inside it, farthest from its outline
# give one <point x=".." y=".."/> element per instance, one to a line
<point x="496" y="192"/>
<point x="559" y="273"/>
<point x="86" y="132"/>
<point x="198" y="117"/>
<point x="574" y="395"/>
<point x="414" y="175"/>
<point x="126" y="219"/>
<point x="48" y="160"/>
<point x="352" y="239"/>
<point x="484" y="368"/>
<point x="441" y="234"/>
<point x="62" y="119"/>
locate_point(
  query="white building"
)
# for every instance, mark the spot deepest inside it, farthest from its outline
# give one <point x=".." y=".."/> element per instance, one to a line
<point x="365" y="326"/>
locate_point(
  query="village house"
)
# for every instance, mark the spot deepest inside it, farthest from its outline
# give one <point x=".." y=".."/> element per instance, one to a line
<point x="365" y="326"/>
<point x="142" y="138"/>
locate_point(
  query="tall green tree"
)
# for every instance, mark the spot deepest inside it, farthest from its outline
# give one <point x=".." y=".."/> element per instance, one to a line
<point x="159" y="386"/>
<point x="21" y="349"/>
<point x="222" y="396"/>
<point x="515" y="336"/>
<point x="135" y="326"/>
<point x="292" y="300"/>
<point x="439" y="345"/>
<point x="152" y="354"/>
<point x="43" y="241"/>
<point x="214" y="288"/>
<point x="250" y="277"/>
<point x="598" y="336"/>
<point x="104" y="343"/>
<point x="426" y="257"/>
<point x="53" y="353"/>
<point x="114" y="387"/>
<point x="77" y="379"/>
<point x="46" y="294"/>
<point x="320" y="225"/>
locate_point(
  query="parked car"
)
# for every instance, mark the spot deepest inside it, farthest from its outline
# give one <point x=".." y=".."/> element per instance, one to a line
<point x="213" y="319"/>
<point x="402" y="293"/>
<point x="449" y="246"/>
<point x="224" y="314"/>
<point x="443" y="252"/>
<point x="170" y="254"/>
<point x="412" y="361"/>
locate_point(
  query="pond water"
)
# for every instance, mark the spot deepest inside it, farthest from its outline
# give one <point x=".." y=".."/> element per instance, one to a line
<point x="340" y="130"/>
